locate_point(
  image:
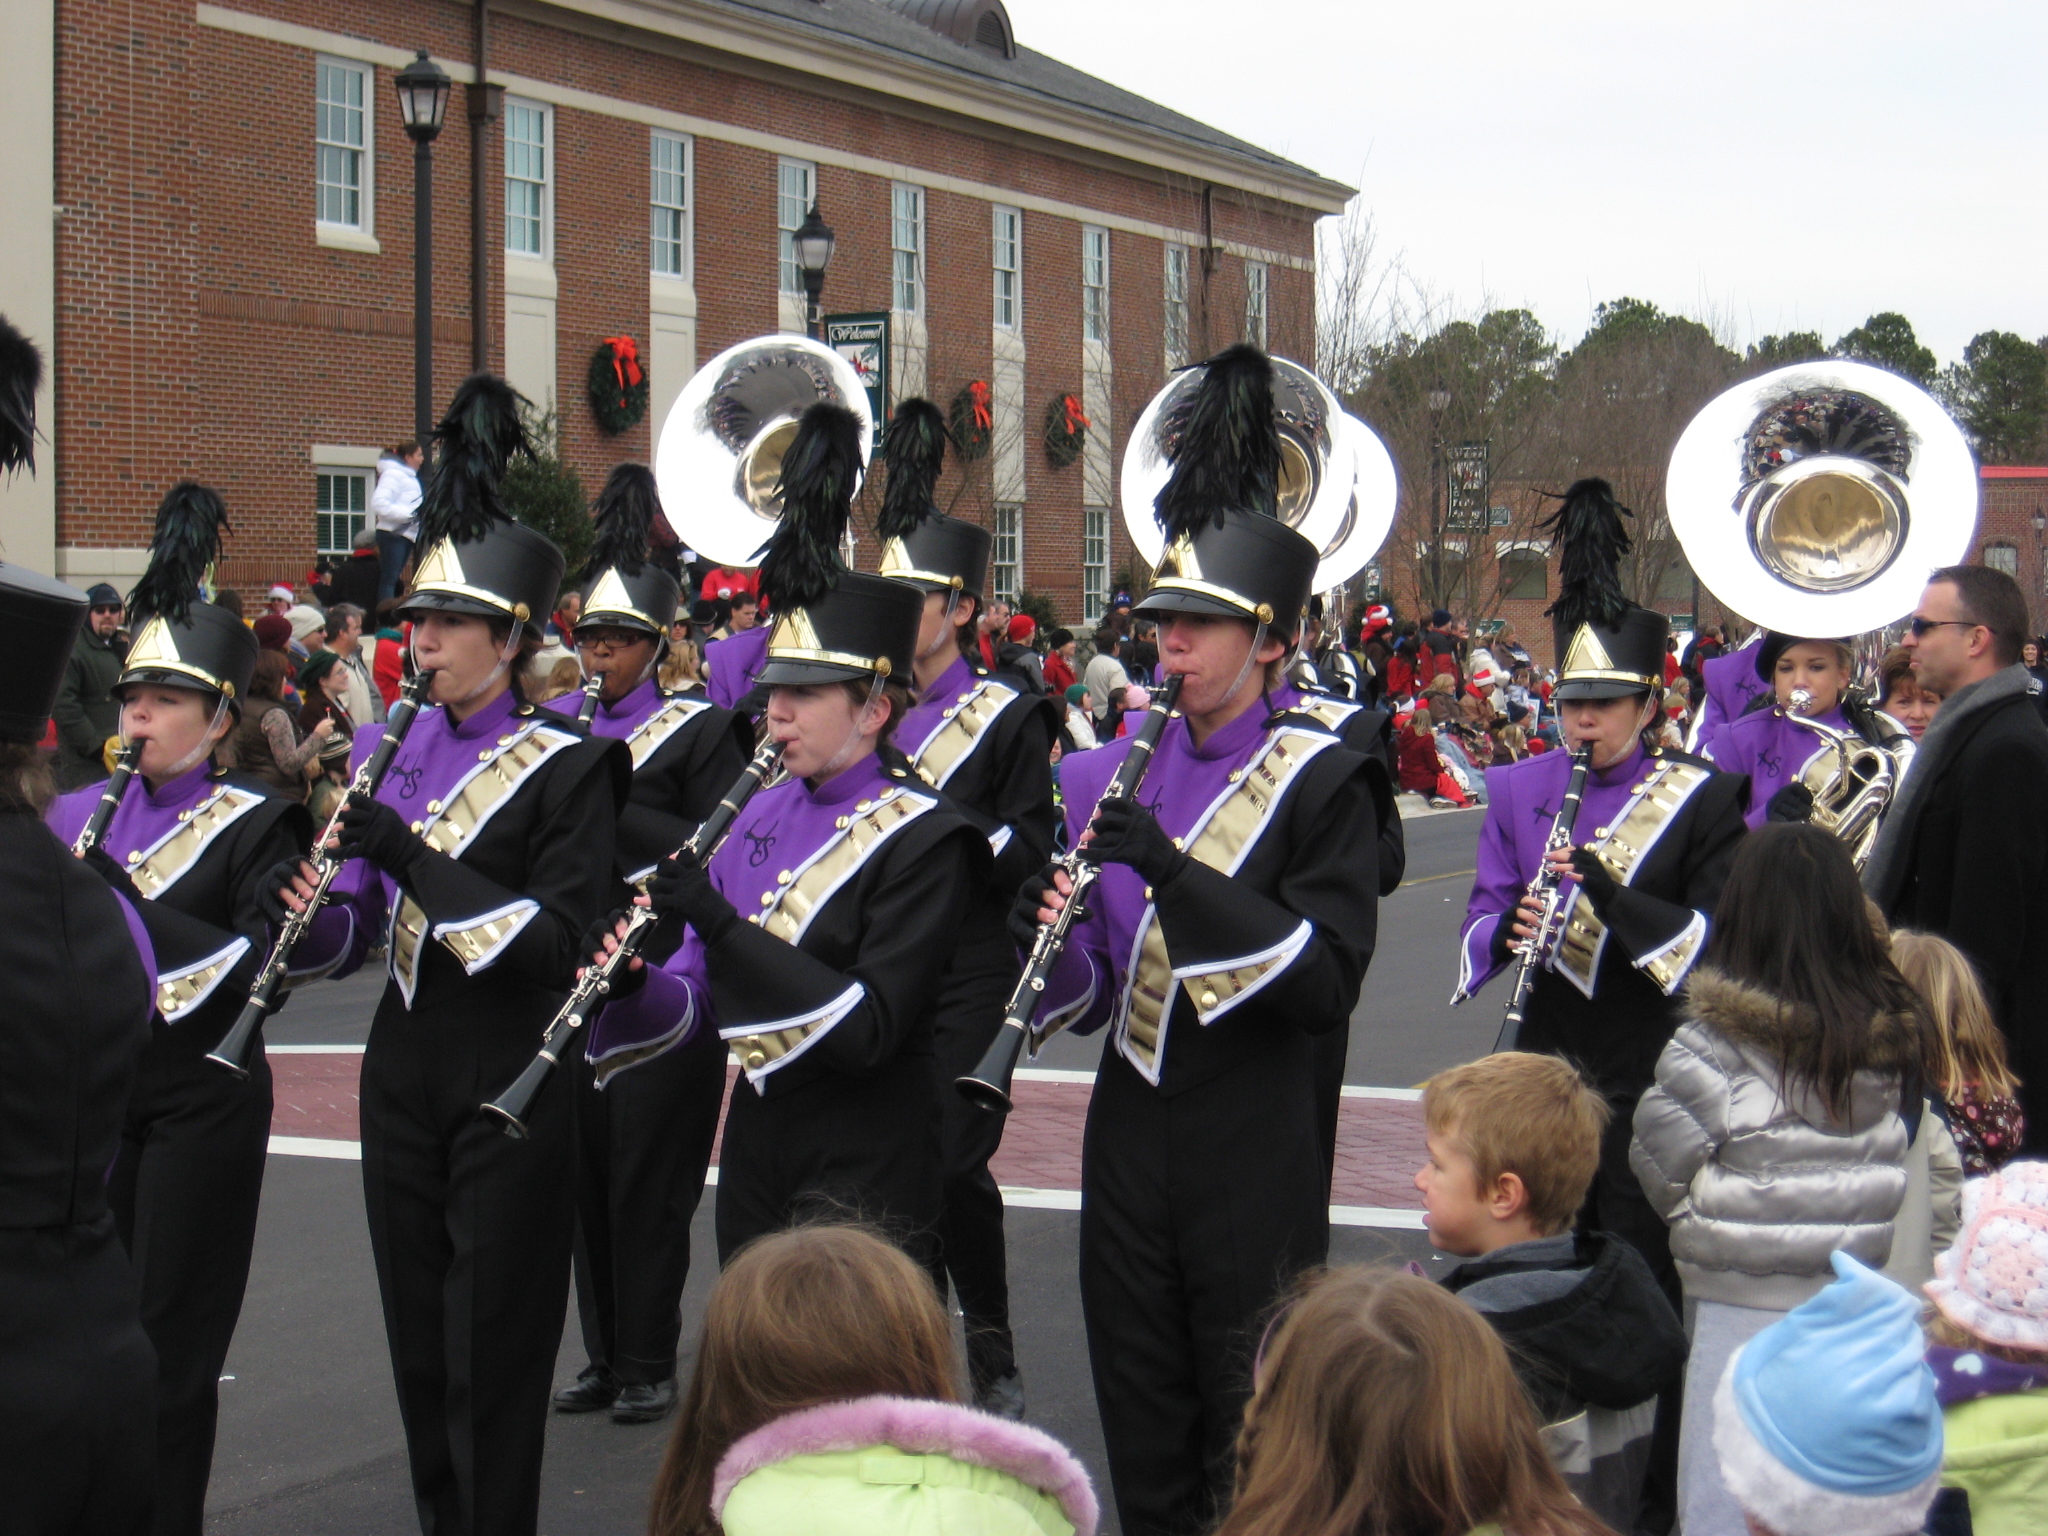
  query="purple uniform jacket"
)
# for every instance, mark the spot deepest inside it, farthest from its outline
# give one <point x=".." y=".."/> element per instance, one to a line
<point x="732" y="664"/>
<point x="1731" y="682"/>
<point x="1771" y="749"/>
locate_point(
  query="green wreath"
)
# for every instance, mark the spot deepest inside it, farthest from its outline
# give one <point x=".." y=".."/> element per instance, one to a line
<point x="972" y="421"/>
<point x="618" y="384"/>
<point x="1066" y="430"/>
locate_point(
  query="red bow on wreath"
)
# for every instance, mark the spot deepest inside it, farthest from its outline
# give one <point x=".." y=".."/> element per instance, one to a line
<point x="1076" y="422"/>
<point x="625" y="360"/>
<point x="978" y="392"/>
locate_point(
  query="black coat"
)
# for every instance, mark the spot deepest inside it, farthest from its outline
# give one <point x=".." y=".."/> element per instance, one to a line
<point x="1975" y="871"/>
<point x="85" y="712"/>
<point x="677" y="786"/>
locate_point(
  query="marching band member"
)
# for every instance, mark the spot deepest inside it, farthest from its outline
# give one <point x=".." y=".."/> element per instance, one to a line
<point x="643" y="1145"/>
<point x="732" y="666"/>
<point x="1656" y="832"/>
<point x="1732" y="685"/>
<point x="190" y="846"/>
<point x="485" y="854"/>
<point x="987" y="744"/>
<point x="815" y="930"/>
<point x="1233" y="923"/>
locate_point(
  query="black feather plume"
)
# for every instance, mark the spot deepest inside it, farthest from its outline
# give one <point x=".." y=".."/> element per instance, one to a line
<point x="1223" y="444"/>
<point x="473" y="443"/>
<point x="1587" y="527"/>
<point x="186" y="541"/>
<point x="914" y="452"/>
<point x="625" y="513"/>
<point x="800" y="563"/>
<point x="21" y="375"/>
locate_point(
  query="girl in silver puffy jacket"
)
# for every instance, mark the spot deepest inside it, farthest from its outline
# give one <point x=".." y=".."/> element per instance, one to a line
<point x="1772" y="1135"/>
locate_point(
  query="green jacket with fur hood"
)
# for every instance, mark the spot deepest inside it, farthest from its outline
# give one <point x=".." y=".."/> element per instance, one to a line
<point x="1758" y="1183"/>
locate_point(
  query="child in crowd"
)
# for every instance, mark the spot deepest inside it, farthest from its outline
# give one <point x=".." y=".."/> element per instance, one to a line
<point x="1826" y="1422"/>
<point x="1926" y="1223"/>
<point x="1771" y="1136"/>
<point x="1514" y="1140"/>
<point x="1990" y="1351"/>
<point x="1967" y="1058"/>
<point x="825" y="1397"/>
<point x="1381" y="1404"/>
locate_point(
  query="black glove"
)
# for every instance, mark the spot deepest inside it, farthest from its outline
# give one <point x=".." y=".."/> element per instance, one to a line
<point x="1502" y="945"/>
<point x="1792" y="803"/>
<point x="1023" y="918"/>
<point x="280" y="877"/>
<point x="682" y="887"/>
<point x="1595" y="877"/>
<point x="371" y="830"/>
<point x="114" y="872"/>
<point x="627" y="979"/>
<point x="1127" y="833"/>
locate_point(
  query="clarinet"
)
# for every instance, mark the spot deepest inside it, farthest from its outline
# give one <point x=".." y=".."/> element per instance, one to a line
<point x="588" y="995"/>
<point x="988" y="1085"/>
<point x="110" y="799"/>
<point x="233" y="1050"/>
<point x="587" y="710"/>
<point x="1547" y="888"/>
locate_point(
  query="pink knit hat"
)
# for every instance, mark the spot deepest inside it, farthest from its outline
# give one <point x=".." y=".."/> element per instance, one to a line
<point x="1993" y="1282"/>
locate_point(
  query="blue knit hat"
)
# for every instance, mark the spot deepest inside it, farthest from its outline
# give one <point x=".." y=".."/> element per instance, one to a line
<point x="1826" y="1422"/>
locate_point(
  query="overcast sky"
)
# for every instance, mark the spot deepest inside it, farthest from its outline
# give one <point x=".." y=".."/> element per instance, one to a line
<point x="1766" y="167"/>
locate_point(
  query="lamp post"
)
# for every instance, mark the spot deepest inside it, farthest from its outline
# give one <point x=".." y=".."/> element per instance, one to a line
<point x="1439" y="402"/>
<point x="813" y="244"/>
<point x="423" y="88"/>
<point x="2040" y="556"/>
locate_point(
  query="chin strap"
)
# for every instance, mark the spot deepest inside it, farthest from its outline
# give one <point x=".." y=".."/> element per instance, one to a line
<point x="1250" y="658"/>
<point x="191" y="759"/>
<point x="853" y="737"/>
<point x="504" y="662"/>
<point x="946" y="631"/>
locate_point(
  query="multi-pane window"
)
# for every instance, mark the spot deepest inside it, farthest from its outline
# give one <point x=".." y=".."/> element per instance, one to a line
<point x="2002" y="557"/>
<point x="340" y="500"/>
<point x="1524" y="573"/>
<point x="1176" y="306"/>
<point x="796" y="188"/>
<point x="341" y="140"/>
<point x="1009" y="551"/>
<point x="906" y="239"/>
<point x="1255" y="303"/>
<point x="668" y="203"/>
<point x="1094" y="564"/>
<point x="1094" y="283"/>
<point x="529" y="175"/>
<point x="1009" y="262"/>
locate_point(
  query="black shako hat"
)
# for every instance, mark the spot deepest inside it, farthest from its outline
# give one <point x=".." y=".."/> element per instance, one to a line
<point x="474" y="558"/>
<point x="831" y="624"/>
<point x="620" y="586"/>
<point x="921" y="544"/>
<point x="180" y="640"/>
<point x="1610" y="647"/>
<point x="1227" y="552"/>
<point x="40" y="618"/>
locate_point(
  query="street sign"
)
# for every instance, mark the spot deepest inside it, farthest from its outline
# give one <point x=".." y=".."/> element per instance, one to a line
<point x="863" y="340"/>
<point x="1467" y="469"/>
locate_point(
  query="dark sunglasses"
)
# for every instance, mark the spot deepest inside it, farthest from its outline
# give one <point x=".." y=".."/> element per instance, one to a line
<point x="1920" y="626"/>
<point x="113" y="608"/>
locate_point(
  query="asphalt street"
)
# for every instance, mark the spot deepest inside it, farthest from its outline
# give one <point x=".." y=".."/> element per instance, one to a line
<point x="309" y="1435"/>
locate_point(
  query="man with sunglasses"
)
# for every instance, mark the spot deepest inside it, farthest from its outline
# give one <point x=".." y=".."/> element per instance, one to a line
<point x="87" y="713"/>
<point x="1964" y="848"/>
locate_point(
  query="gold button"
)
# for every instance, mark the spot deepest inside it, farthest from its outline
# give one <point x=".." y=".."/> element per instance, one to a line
<point x="433" y="807"/>
<point x="966" y="696"/>
<point x="135" y="856"/>
<point x="947" y="714"/>
<point x="1148" y="893"/>
<point x="767" y="898"/>
<point x="506" y="741"/>
<point x="419" y="826"/>
<point x="1599" y="831"/>
<point x="1236" y="774"/>
<point x="754" y="918"/>
<point x="1180" y="845"/>
<point x="756" y="1059"/>
<point x="1208" y="999"/>
<point x="843" y="823"/>
<point x="184" y="815"/>
<point x="862" y="807"/>
<point x="783" y="878"/>
<point x="484" y="756"/>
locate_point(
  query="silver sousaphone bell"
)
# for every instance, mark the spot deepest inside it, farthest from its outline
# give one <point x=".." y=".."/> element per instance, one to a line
<point x="1814" y="499"/>
<point x="718" y="461"/>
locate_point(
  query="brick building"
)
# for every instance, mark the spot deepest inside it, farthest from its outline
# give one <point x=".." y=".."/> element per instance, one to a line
<point x="224" y="285"/>
<point x="2012" y="528"/>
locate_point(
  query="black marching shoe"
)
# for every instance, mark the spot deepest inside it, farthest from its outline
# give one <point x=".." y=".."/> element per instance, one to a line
<point x="645" y="1401"/>
<point x="1003" y="1397"/>
<point x="596" y="1388"/>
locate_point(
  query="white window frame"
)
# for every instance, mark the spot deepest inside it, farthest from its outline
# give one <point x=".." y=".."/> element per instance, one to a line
<point x="1007" y="562"/>
<point x="2009" y="557"/>
<point x="1006" y="246"/>
<point x="546" y="180"/>
<point x="802" y="175"/>
<point x="1094" y="564"/>
<point x="682" y="215"/>
<point x="358" y="519"/>
<point x="1175" y="326"/>
<point x="1095" y="319"/>
<point x="365" y="152"/>
<point x="1258" y="301"/>
<point x="906" y="248"/>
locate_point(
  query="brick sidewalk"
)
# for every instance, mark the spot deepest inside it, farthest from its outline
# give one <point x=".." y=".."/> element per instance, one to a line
<point x="1379" y="1141"/>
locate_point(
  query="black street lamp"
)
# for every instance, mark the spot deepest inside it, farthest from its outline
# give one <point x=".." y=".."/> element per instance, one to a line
<point x="423" y="88"/>
<point x="812" y="244"/>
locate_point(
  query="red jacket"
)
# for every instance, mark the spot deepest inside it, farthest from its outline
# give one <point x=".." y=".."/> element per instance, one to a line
<point x="1417" y="756"/>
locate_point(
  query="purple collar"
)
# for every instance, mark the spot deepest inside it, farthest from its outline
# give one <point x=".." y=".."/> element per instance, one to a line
<point x="488" y="721"/>
<point x="1623" y="772"/>
<point x="635" y="704"/>
<point x="1961" y="1375"/>
<point x="1238" y="737"/>
<point x="857" y="781"/>
<point x="949" y="684"/>
<point x="182" y="791"/>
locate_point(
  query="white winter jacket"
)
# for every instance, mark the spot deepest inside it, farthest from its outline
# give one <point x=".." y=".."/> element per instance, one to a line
<point x="395" y="500"/>
<point x="1758" y="1183"/>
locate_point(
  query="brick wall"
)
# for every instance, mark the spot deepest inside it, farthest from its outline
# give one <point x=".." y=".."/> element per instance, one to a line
<point x="203" y="330"/>
<point x="2010" y="497"/>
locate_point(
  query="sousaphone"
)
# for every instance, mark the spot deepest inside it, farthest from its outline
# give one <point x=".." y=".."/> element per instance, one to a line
<point x="718" y="461"/>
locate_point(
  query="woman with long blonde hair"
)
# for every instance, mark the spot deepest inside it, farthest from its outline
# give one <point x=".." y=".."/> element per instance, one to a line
<point x="1966" y="1060"/>
<point x="1384" y="1406"/>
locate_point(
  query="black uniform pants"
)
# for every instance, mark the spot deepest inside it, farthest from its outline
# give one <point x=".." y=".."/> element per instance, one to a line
<point x="1330" y="1052"/>
<point x="185" y="1188"/>
<point x="470" y="1230"/>
<point x="644" y="1143"/>
<point x="860" y="1148"/>
<point x="77" y="1385"/>
<point x="1196" y="1212"/>
<point x="971" y="1229"/>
